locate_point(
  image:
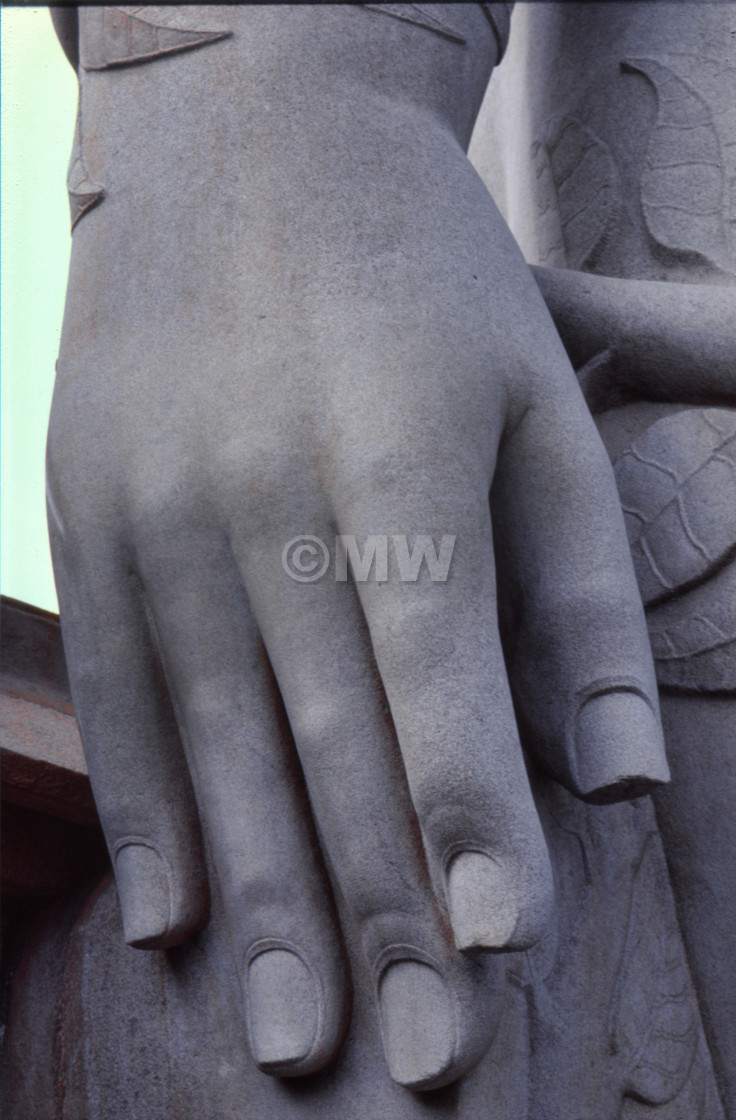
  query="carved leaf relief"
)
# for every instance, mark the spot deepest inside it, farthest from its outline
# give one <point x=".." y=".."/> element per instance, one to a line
<point x="693" y="637"/>
<point x="677" y="484"/>
<point x="696" y="1100"/>
<point x="582" y="187"/>
<point x="714" y="80"/>
<point x="84" y="193"/>
<point x="654" y="1025"/>
<point x="682" y="185"/>
<point x="113" y="37"/>
<point x="549" y="240"/>
<point x="421" y="16"/>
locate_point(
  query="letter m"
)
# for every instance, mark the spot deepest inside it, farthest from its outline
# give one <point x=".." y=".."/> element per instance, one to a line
<point x="347" y="547"/>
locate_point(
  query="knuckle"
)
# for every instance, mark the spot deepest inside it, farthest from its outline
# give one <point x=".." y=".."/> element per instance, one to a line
<point x="318" y="727"/>
<point x="255" y="480"/>
<point x="160" y="502"/>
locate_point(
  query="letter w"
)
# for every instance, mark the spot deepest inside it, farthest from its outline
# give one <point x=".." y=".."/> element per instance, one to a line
<point x="410" y="563"/>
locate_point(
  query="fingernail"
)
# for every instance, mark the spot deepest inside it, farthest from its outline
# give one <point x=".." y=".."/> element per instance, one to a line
<point x="143" y="888"/>
<point x="483" y="911"/>
<point x="283" y="1010"/>
<point x="417" y="1023"/>
<point x="619" y="748"/>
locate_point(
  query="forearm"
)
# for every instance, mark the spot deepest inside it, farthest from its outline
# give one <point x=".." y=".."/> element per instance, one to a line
<point x="671" y="341"/>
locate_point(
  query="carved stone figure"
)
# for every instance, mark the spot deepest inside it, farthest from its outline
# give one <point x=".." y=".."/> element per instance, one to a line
<point x="387" y="839"/>
<point x="627" y="171"/>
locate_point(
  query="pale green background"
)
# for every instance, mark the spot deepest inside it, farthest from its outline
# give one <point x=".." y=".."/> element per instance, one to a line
<point x="39" y="93"/>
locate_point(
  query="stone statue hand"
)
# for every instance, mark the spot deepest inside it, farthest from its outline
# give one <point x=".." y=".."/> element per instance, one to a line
<point x="358" y="351"/>
<point x="183" y="625"/>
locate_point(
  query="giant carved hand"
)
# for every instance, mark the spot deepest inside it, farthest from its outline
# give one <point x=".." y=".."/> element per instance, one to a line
<point x="297" y="311"/>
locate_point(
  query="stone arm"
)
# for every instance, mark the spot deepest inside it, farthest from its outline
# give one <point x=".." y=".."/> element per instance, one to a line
<point x="643" y="338"/>
<point x="294" y="312"/>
